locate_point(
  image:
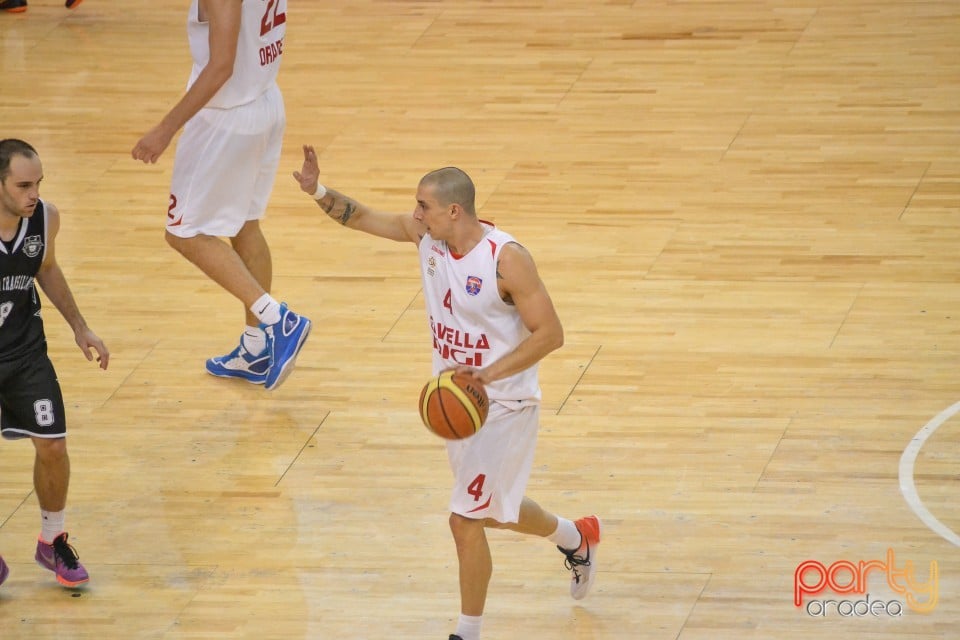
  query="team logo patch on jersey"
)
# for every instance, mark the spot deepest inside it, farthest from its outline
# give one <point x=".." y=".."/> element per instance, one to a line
<point x="473" y="285"/>
<point x="431" y="266"/>
<point x="32" y="246"/>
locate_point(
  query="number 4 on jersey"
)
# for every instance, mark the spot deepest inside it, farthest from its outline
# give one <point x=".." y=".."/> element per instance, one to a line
<point x="448" y="302"/>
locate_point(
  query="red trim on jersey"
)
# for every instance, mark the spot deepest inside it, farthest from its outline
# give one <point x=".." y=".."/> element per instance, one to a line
<point x="482" y="507"/>
<point x="493" y="245"/>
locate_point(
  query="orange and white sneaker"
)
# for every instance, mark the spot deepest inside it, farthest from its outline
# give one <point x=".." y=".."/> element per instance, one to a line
<point x="582" y="562"/>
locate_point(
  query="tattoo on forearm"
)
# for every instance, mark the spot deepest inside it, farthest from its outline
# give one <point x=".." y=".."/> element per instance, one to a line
<point x="348" y="210"/>
<point x="329" y="204"/>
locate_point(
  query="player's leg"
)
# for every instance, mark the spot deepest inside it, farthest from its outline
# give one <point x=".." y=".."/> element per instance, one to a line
<point x="249" y="242"/>
<point x="533" y="520"/>
<point x="210" y="200"/>
<point x="252" y="249"/>
<point x="576" y="540"/>
<point x="51" y="474"/>
<point x="491" y="470"/>
<point x="220" y="263"/>
<point x="250" y="360"/>
<point x="32" y="406"/>
<point x="5" y="371"/>
<point x="211" y="188"/>
<point x="475" y="564"/>
<point x="51" y="479"/>
<point x="285" y="338"/>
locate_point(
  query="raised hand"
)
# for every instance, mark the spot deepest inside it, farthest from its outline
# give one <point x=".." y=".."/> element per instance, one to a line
<point x="309" y="173"/>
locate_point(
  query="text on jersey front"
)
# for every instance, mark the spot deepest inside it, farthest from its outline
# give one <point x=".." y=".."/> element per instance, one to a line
<point x="460" y="346"/>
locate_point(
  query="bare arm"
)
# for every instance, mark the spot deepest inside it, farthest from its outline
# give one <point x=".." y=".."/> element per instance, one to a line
<point x="51" y="279"/>
<point x="223" y="17"/>
<point x="520" y="284"/>
<point x="350" y="213"/>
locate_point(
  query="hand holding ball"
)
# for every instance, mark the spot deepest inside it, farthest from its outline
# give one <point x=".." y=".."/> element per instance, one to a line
<point x="454" y="405"/>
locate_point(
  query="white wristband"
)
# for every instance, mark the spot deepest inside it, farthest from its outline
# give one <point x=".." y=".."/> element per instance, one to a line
<point x="320" y="192"/>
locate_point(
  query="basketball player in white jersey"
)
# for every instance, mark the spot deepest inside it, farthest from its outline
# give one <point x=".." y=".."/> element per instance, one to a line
<point x="233" y="118"/>
<point x="489" y="313"/>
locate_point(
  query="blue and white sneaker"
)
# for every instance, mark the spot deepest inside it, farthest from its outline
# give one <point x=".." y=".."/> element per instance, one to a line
<point x="240" y="364"/>
<point x="284" y="341"/>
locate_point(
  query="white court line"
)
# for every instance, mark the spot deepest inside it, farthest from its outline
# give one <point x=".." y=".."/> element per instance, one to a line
<point x="907" y="486"/>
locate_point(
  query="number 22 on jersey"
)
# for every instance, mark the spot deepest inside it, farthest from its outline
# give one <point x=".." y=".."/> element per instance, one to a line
<point x="272" y="16"/>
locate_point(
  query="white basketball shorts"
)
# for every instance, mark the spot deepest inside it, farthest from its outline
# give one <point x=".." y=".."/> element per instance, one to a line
<point x="491" y="468"/>
<point x="225" y="166"/>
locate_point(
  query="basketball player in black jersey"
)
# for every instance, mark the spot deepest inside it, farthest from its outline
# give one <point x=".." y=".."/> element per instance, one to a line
<point x="31" y="404"/>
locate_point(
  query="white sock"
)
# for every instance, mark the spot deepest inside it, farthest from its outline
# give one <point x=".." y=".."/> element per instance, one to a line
<point x="468" y="627"/>
<point x="266" y="309"/>
<point x="567" y="536"/>
<point x="254" y="340"/>
<point x="51" y="524"/>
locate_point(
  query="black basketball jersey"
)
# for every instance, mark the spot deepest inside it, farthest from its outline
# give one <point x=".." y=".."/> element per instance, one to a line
<point x="21" y="329"/>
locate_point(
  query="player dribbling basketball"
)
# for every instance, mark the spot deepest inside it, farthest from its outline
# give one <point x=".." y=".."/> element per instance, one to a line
<point x="489" y="314"/>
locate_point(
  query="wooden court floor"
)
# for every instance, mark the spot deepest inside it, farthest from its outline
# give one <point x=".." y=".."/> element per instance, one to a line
<point x="747" y="213"/>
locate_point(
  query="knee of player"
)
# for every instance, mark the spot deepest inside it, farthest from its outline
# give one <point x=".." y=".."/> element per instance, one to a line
<point x="175" y="241"/>
<point x="50" y="448"/>
<point x="463" y="528"/>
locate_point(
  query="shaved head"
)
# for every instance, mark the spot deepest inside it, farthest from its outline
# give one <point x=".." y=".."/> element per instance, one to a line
<point x="452" y="186"/>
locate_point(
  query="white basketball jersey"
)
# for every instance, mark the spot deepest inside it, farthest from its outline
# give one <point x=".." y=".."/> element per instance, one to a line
<point x="469" y="323"/>
<point x="263" y="25"/>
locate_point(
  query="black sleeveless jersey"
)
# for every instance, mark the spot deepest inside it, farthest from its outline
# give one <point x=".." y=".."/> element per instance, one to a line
<point x="21" y="329"/>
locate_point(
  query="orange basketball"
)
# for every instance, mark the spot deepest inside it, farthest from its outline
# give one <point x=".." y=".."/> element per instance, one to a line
<point x="453" y="406"/>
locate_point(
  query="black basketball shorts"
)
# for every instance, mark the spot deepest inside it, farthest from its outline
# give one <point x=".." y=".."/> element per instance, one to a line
<point x="31" y="403"/>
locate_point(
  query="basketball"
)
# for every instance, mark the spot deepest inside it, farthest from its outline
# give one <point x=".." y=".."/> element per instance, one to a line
<point x="453" y="406"/>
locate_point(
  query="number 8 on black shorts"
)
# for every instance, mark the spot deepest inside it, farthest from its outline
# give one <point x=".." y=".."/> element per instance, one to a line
<point x="31" y="403"/>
